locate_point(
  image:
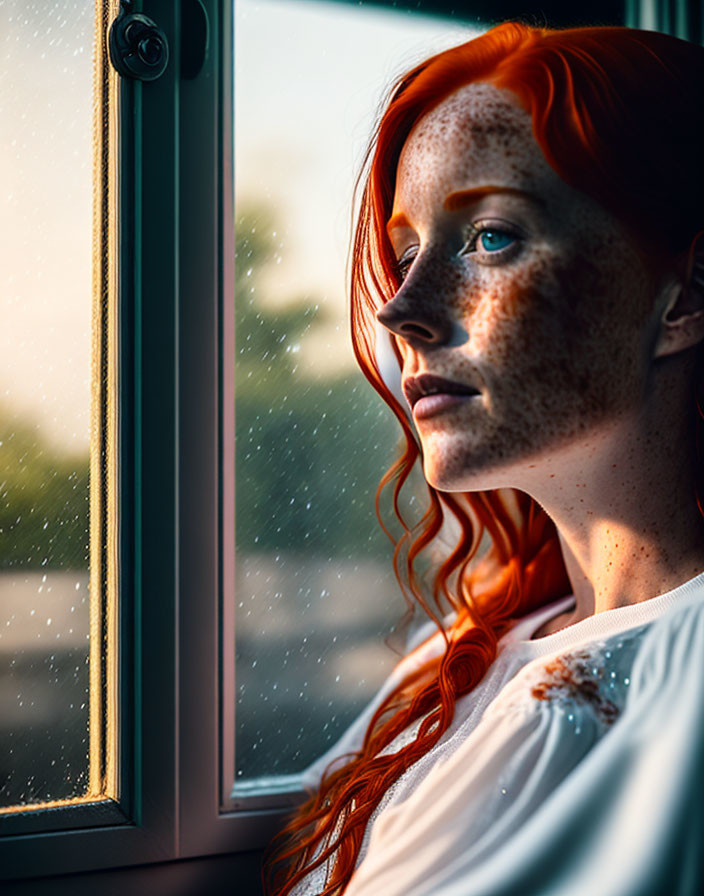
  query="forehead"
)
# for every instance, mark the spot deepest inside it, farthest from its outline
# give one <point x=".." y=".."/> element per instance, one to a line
<point x="478" y="134"/>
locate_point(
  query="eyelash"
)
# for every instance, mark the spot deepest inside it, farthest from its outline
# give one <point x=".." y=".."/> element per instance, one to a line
<point x="404" y="264"/>
<point x="474" y="231"/>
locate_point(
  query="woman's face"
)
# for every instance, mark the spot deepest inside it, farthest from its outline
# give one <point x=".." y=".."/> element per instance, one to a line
<point x="527" y="296"/>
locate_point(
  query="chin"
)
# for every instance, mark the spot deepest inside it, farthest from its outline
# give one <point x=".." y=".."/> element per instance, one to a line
<point x="447" y="478"/>
<point x="453" y="472"/>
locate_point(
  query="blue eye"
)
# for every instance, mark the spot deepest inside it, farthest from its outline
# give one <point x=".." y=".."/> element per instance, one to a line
<point x="494" y="240"/>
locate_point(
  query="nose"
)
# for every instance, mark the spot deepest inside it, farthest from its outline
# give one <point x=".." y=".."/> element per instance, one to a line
<point x="416" y="319"/>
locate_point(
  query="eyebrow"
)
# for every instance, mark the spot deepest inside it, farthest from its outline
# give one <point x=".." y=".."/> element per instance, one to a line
<point x="463" y="198"/>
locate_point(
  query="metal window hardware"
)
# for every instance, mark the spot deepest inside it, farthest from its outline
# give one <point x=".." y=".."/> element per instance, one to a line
<point x="138" y="47"/>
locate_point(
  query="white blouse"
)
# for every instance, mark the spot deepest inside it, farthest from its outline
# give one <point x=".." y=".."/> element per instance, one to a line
<point x="575" y="767"/>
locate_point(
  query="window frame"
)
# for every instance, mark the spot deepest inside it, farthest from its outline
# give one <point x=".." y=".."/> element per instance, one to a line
<point x="176" y="257"/>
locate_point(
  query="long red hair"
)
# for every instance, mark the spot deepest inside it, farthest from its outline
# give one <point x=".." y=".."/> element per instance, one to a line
<point x="619" y="114"/>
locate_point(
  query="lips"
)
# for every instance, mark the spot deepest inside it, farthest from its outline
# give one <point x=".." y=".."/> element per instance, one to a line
<point x="417" y="387"/>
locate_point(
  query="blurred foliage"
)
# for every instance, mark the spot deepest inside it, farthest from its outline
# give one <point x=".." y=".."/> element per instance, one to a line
<point x="310" y="452"/>
<point x="44" y="502"/>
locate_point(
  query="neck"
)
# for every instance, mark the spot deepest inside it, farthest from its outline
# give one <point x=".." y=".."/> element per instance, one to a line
<point x="624" y="506"/>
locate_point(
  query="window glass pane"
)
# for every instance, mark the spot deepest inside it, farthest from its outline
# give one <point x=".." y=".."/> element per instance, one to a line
<point x="315" y="595"/>
<point x="46" y="233"/>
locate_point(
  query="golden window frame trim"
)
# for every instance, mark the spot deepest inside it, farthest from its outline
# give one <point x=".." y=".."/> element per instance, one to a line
<point x="103" y="713"/>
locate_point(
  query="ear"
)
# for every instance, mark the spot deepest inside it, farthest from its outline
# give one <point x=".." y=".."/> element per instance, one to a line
<point x="682" y="318"/>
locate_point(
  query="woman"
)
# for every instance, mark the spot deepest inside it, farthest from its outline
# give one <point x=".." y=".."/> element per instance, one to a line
<point x="529" y="238"/>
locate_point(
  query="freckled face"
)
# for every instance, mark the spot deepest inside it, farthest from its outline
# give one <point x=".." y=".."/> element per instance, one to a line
<point x="515" y="284"/>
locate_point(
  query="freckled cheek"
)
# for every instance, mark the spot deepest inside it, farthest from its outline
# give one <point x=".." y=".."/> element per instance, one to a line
<point x="485" y="324"/>
<point x="610" y="307"/>
<point x="504" y="319"/>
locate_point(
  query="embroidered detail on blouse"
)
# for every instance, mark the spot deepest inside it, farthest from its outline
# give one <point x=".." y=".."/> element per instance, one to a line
<point x="592" y="677"/>
<point x="576" y="677"/>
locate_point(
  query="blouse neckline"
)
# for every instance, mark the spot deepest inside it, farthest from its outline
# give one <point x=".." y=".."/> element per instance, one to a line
<point x="609" y="622"/>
